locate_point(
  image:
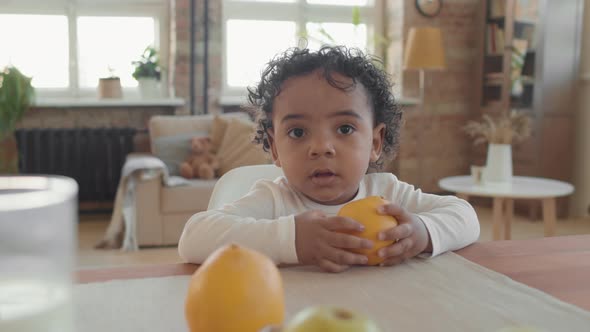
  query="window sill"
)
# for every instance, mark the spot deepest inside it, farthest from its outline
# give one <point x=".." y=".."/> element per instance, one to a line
<point x="237" y="101"/>
<point x="94" y="102"/>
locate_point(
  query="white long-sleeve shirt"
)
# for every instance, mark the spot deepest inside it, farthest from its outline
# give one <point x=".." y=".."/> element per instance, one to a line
<point x="264" y="219"/>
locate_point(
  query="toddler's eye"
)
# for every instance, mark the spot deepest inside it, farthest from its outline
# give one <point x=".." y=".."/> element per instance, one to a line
<point x="296" y="133"/>
<point x="346" y="129"/>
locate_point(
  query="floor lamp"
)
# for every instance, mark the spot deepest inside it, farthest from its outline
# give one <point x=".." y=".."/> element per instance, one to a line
<point x="424" y="51"/>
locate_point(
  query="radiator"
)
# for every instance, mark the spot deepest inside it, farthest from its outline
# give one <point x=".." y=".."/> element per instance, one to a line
<point x="91" y="156"/>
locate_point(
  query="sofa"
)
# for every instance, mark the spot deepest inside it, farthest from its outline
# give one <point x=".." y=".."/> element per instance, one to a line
<point x="160" y="210"/>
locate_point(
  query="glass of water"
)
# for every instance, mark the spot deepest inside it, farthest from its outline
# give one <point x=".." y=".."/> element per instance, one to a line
<point x="38" y="225"/>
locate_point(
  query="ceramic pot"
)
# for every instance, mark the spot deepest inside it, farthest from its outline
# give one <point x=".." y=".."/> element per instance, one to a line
<point x="110" y="88"/>
<point x="149" y="88"/>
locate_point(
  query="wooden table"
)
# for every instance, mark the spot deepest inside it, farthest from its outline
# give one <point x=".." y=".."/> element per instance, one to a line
<point x="559" y="266"/>
<point x="504" y="194"/>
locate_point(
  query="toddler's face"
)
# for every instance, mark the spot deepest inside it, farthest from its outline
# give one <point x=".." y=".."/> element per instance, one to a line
<point x="324" y="137"/>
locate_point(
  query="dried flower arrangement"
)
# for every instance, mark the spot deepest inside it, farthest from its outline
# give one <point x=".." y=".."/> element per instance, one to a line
<point x="505" y="129"/>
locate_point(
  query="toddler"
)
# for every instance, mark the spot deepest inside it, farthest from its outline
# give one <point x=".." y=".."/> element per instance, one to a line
<point x="327" y="118"/>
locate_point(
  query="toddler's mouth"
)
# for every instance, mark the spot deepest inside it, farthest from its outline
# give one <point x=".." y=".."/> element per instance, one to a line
<point x="323" y="177"/>
<point x="322" y="173"/>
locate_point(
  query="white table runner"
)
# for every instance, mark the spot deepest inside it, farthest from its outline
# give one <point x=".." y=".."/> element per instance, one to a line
<point x="447" y="293"/>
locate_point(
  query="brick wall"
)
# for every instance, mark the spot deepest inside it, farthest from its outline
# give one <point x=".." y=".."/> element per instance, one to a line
<point x="432" y="143"/>
<point x="180" y="53"/>
<point x="91" y="117"/>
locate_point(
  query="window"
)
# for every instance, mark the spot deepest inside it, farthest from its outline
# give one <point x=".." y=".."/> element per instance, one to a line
<point x="257" y="30"/>
<point x="243" y="66"/>
<point x="80" y="41"/>
<point x="44" y="55"/>
<point x="111" y="43"/>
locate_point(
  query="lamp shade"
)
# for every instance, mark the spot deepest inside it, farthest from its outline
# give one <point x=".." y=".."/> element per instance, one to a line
<point x="424" y="49"/>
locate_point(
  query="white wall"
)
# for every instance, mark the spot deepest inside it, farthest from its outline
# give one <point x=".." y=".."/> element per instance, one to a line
<point x="580" y="203"/>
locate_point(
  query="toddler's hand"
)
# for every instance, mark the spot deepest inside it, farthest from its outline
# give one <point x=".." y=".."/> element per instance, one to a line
<point x="318" y="241"/>
<point x="411" y="235"/>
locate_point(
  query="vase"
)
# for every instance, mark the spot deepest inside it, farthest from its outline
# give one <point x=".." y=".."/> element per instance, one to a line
<point x="499" y="163"/>
<point x="149" y="88"/>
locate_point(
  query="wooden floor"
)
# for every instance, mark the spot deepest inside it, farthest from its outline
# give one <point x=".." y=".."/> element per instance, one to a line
<point x="92" y="227"/>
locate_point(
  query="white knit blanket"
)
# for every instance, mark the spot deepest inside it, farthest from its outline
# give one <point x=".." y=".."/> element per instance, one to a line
<point x="121" y="232"/>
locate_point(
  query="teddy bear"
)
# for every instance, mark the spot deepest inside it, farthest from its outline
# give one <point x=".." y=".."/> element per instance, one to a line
<point x="201" y="163"/>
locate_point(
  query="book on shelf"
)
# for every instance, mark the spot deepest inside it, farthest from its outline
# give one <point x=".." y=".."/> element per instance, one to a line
<point x="493" y="79"/>
<point x="494" y="39"/>
<point x="526" y="10"/>
<point x="528" y="34"/>
<point x="527" y="80"/>
<point x="497" y="9"/>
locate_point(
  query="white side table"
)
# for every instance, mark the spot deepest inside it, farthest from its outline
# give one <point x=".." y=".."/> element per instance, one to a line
<point x="524" y="187"/>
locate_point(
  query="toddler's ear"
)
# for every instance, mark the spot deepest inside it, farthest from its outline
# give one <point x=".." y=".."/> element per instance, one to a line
<point x="377" y="146"/>
<point x="273" y="147"/>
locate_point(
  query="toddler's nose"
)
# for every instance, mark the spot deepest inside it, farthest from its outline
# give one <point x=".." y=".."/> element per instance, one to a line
<point x="321" y="147"/>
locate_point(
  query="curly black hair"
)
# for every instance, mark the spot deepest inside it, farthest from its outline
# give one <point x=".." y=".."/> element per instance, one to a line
<point x="350" y="62"/>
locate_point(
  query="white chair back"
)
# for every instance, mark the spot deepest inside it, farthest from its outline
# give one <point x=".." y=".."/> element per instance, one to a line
<point x="238" y="181"/>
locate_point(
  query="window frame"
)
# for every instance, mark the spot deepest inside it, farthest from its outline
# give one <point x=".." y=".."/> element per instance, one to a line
<point x="72" y="9"/>
<point x="298" y="11"/>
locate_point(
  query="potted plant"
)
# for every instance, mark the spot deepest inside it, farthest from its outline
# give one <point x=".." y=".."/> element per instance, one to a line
<point x="148" y="73"/>
<point x="500" y="133"/>
<point x="16" y="96"/>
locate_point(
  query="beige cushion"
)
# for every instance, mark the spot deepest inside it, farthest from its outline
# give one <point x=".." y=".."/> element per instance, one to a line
<point x="192" y="198"/>
<point x="167" y="125"/>
<point x="237" y="148"/>
<point x="217" y="131"/>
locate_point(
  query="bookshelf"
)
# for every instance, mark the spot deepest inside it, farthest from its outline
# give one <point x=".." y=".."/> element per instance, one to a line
<point x="543" y="36"/>
<point x="509" y="53"/>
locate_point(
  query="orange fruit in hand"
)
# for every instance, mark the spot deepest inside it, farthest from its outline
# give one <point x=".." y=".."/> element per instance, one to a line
<point x="365" y="212"/>
<point x="236" y="289"/>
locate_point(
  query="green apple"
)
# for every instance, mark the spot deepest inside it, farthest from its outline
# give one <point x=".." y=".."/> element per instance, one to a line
<point x="330" y="319"/>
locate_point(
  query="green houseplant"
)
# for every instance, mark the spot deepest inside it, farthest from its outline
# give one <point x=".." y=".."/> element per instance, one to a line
<point x="16" y="96"/>
<point x="148" y="66"/>
<point x="148" y="72"/>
